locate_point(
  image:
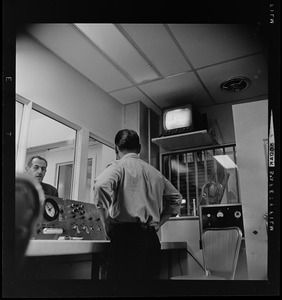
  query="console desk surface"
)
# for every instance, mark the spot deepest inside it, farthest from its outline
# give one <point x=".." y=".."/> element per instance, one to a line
<point x="70" y="247"/>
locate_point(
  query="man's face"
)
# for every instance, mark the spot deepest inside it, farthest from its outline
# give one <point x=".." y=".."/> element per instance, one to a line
<point x="37" y="169"/>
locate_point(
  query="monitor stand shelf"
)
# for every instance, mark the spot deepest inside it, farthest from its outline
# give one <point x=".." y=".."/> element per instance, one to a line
<point x="194" y="139"/>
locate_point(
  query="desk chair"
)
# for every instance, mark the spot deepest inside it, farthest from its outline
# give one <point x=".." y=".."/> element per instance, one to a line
<point x="221" y="248"/>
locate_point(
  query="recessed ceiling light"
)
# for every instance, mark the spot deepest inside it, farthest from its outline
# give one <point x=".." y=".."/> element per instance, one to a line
<point x="236" y="84"/>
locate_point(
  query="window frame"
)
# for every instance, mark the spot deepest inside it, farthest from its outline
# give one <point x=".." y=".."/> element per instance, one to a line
<point x="80" y="151"/>
<point x="193" y="152"/>
<point x="23" y="137"/>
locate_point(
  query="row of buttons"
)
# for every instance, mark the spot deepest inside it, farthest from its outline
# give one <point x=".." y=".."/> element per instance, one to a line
<point x="220" y="214"/>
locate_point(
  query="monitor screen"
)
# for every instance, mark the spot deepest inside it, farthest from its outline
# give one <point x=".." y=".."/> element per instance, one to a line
<point x="177" y="118"/>
<point x="182" y="119"/>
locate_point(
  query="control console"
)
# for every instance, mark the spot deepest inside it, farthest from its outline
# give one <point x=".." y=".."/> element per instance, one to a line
<point x="221" y="215"/>
<point x="68" y="219"/>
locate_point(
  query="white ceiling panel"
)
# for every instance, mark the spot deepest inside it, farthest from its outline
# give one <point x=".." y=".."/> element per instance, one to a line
<point x="112" y="42"/>
<point x="74" y="49"/>
<point x="126" y="96"/>
<point x="254" y="68"/>
<point x="178" y="89"/>
<point x="207" y="44"/>
<point x="156" y="43"/>
<point x="133" y="94"/>
<point x="163" y="64"/>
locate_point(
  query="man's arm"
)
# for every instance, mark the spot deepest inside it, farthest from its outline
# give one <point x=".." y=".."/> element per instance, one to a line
<point x="104" y="186"/>
<point x="163" y="219"/>
<point x="105" y="219"/>
<point x="172" y="201"/>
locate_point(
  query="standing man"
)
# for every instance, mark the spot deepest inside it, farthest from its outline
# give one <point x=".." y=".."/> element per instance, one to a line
<point x="37" y="167"/>
<point x="134" y="200"/>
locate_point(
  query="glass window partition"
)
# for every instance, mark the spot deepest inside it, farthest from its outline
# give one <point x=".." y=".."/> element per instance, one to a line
<point x="204" y="176"/>
<point x="64" y="183"/>
<point x="55" y="142"/>
<point x="99" y="156"/>
<point x="19" y="114"/>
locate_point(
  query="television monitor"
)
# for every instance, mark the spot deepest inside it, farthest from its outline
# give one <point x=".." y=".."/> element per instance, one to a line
<point x="182" y="119"/>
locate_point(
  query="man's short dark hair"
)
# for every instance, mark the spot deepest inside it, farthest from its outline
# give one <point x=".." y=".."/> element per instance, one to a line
<point x="29" y="163"/>
<point x="127" y="139"/>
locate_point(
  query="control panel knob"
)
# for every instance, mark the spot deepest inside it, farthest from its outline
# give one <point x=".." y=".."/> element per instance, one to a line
<point x="220" y="214"/>
<point x="75" y="227"/>
<point x="237" y="214"/>
<point x="86" y="229"/>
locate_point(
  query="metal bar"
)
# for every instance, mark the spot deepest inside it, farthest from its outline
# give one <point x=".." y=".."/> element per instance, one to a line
<point x="187" y="182"/>
<point x="178" y="175"/>
<point x="237" y="174"/>
<point x="169" y="168"/>
<point x="215" y="167"/>
<point x="200" y="148"/>
<point x="196" y="176"/>
<point x="205" y="166"/>
<point x="149" y="136"/>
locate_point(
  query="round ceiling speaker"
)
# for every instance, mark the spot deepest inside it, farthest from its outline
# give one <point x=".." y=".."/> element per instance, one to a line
<point x="236" y="84"/>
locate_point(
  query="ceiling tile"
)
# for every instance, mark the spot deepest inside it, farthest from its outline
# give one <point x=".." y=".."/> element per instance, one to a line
<point x="253" y="67"/>
<point x="133" y="94"/>
<point x="180" y="89"/>
<point x="128" y="95"/>
<point x="217" y="51"/>
<point x="158" y="46"/>
<point x="114" y="44"/>
<point x="206" y="44"/>
<point x="74" y="49"/>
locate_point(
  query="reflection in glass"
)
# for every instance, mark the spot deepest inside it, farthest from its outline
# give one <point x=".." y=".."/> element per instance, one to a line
<point x="19" y="114"/>
<point x="64" y="180"/>
<point x="56" y="143"/>
<point x="91" y="167"/>
<point x="99" y="156"/>
<point x="89" y="179"/>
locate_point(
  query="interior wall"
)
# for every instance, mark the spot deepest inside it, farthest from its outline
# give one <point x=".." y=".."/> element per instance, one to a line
<point x="251" y="130"/>
<point x="135" y="116"/>
<point x="220" y="122"/>
<point x="185" y="230"/>
<point x="46" y="80"/>
<point x="108" y="155"/>
<point x="101" y="156"/>
<point x="37" y="126"/>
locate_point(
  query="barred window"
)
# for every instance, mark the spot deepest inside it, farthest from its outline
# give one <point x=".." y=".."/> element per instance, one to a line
<point x="200" y="178"/>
